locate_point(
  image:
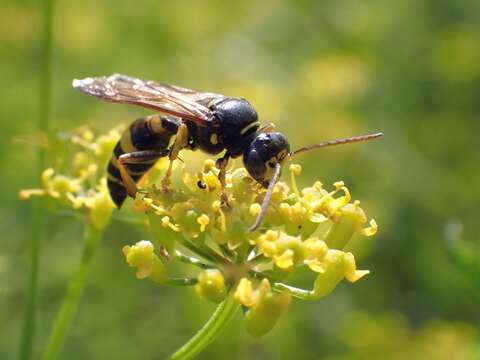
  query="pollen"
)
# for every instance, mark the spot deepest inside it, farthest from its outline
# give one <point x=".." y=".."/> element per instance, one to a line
<point x="166" y="223"/>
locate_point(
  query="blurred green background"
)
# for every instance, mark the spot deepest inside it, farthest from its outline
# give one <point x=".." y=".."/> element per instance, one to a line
<point x="319" y="70"/>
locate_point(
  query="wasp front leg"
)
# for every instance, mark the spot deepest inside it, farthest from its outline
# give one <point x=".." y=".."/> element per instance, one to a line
<point x="181" y="141"/>
<point x="221" y="164"/>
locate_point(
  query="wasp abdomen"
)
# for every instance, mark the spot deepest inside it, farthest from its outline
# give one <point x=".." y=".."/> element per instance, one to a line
<point x="146" y="140"/>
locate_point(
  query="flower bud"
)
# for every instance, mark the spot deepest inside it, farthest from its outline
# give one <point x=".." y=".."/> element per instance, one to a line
<point x="148" y="264"/>
<point x="211" y="285"/>
<point x="352" y="219"/>
<point x="266" y="309"/>
<point x="337" y="265"/>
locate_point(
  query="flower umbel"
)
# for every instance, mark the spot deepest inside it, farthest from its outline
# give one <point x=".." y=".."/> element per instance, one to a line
<point x="303" y="228"/>
<point x="82" y="186"/>
<point x="307" y="227"/>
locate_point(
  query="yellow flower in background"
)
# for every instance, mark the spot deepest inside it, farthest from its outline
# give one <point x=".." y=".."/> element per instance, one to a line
<point x="83" y="186"/>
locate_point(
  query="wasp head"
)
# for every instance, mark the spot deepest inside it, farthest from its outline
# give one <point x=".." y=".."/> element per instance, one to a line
<point x="265" y="151"/>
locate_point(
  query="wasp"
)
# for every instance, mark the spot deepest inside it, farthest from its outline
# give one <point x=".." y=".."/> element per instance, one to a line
<point x="209" y="122"/>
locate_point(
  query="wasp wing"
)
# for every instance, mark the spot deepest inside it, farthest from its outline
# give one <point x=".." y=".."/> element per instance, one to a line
<point x="169" y="99"/>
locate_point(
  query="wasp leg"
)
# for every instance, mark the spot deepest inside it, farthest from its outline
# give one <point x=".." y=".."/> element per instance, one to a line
<point x="181" y="141"/>
<point x="146" y="157"/>
<point x="221" y="164"/>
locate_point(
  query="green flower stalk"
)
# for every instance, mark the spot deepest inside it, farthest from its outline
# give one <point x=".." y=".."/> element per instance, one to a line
<point x="303" y="228"/>
<point x="37" y="233"/>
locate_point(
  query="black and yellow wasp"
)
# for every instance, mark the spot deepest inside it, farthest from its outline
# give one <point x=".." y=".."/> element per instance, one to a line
<point x="210" y="122"/>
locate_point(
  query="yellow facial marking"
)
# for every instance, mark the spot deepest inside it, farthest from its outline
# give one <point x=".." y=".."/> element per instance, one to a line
<point x="281" y="155"/>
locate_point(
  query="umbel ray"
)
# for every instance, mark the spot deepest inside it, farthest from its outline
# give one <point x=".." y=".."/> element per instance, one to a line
<point x="212" y="123"/>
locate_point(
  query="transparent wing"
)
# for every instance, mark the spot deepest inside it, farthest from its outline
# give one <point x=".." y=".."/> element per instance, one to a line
<point x="169" y="99"/>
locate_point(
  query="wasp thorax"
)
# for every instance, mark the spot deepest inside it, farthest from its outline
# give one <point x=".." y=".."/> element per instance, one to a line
<point x="265" y="151"/>
<point x="235" y="113"/>
<point x="233" y="123"/>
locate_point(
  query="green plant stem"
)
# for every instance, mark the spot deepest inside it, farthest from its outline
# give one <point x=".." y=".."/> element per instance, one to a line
<point x="37" y="209"/>
<point x="295" y="292"/>
<point x="36" y="241"/>
<point x="64" y="317"/>
<point x="180" y="281"/>
<point x="203" y="251"/>
<point x="222" y="315"/>
<point x="191" y="260"/>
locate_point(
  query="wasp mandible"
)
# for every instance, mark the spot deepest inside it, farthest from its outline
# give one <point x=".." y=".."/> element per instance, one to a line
<point x="210" y="122"/>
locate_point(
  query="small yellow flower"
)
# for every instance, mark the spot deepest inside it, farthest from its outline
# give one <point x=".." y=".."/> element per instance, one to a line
<point x="244" y="293"/>
<point x="100" y="205"/>
<point x="203" y="220"/>
<point x="296" y="169"/>
<point x="166" y="223"/>
<point x="211" y="285"/>
<point x="264" y="305"/>
<point x="142" y="256"/>
<point x="337" y="265"/>
<point x="254" y="209"/>
<point x="249" y="297"/>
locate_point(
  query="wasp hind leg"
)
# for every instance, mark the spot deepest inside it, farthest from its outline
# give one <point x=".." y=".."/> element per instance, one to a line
<point x="221" y="164"/>
<point x="145" y="157"/>
<point x="181" y="141"/>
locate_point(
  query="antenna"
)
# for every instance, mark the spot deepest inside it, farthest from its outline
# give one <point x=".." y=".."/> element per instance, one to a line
<point x="349" y="140"/>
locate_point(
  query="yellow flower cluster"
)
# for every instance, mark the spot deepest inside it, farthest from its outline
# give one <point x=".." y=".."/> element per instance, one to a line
<point x="192" y="209"/>
<point x="308" y="227"/>
<point x="82" y="185"/>
<point x="289" y="251"/>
